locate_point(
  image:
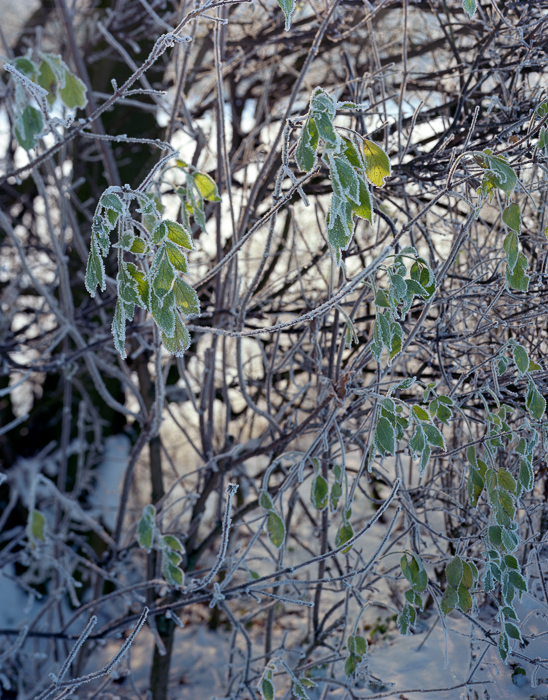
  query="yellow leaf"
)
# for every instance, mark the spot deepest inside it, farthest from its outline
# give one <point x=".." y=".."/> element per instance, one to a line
<point x="377" y="163"/>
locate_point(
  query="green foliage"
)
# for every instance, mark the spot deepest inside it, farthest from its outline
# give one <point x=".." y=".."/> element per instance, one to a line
<point x="159" y="290"/>
<point x="319" y="492"/>
<point x="461" y="578"/>
<point x="171" y="547"/>
<point x="344" y="533"/>
<point x="398" y="299"/>
<point x="416" y="575"/>
<point x="288" y="7"/>
<point x="146" y="530"/>
<point x="198" y="187"/>
<point x="469" y="6"/>
<point x="28" y="126"/>
<point x="352" y="161"/>
<point x="275" y="526"/>
<point x="49" y="72"/>
<point x="497" y="174"/>
<point x="37" y="523"/>
<point x="357" y="646"/>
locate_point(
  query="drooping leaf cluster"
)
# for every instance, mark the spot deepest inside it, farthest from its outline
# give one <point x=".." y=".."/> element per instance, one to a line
<point x="150" y="279"/>
<point x="353" y="163"/>
<point x="50" y="73"/>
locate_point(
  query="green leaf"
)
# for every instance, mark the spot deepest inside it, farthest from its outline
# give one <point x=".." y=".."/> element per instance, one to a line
<point x="385" y="435"/>
<point x="350" y="664"/>
<point x="164" y="315"/>
<point x="467" y="575"/>
<point x="322" y="102"/>
<point x="512" y="251"/>
<point x="267" y="689"/>
<point x="525" y="477"/>
<point x="37" y="523"/>
<point x="95" y="271"/>
<point x="433" y="435"/>
<point x="406" y="384"/>
<point x="186" y="298"/>
<point x="146" y="528"/>
<point x="344" y="175"/>
<point x="352" y="154"/>
<point x="100" y="230"/>
<point x="507" y="611"/>
<point x="495" y="535"/>
<point x="350" y="336"/>
<point x="511" y="562"/>
<point x="173" y="543"/>
<point x="454" y="572"/>
<point x="110" y="200"/>
<point x="396" y="342"/>
<point x="287" y="6"/>
<point x="164" y="276"/>
<point x="450" y="599"/>
<point x="181" y="338"/>
<point x="474" y="486"/>
<point x="142" y="286"/>
<point x="418" y="442"/>
<point x="405" y="568"/>
<point x="415" y="288"/>
<point x="48" y="81"/>
<point x="175" y="232"/>
<point x="176" y="257"/>
<point x="361" y="645"/>
<point x="377" y="163"/>
<point x="535" y="401"/>
<point x="172" y="556"/>
<point x="275" y="528"/>
<point x="340" y="226"/>
<point x="138" y="246"/>
<point x="512" y="631"/>
<point x="420" y="413"/>
<point x="521" y="358"/>
<point x="425" y="456"/>
<point x="336" y="493"/>
<point x="398" y="286"/>
<point x="382" y="299"/>
<point x="265" y="500"/>
<point x="469" y="6"/>
<point x="127" y="286"/>
<point x="119" y="328"/>
<point x="27" y="127"/>
<point x="405" y="619"/>
<point x="206" y="186"/>
<point x="506" y="480"/>
<point x="25" y="65"/>
<point x="503" y="646"/>
<point x="73" y="93"/>
<point x="325" y="128"/>
<point x="413" y="598"/>
<point x="319" y="492"/>
<point x="305" y="153"/>
<point x="506" y="501"/>
<point x="518" y="279"/>
<point x="465" y="599"/>
<point x="517" y="580"/>
<point x="502" y="365"/>
<point x="344" y="533"/>
<point x="172" y="574"/>
<point x="512" y="217"/>
<point x="504" y="176"/>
